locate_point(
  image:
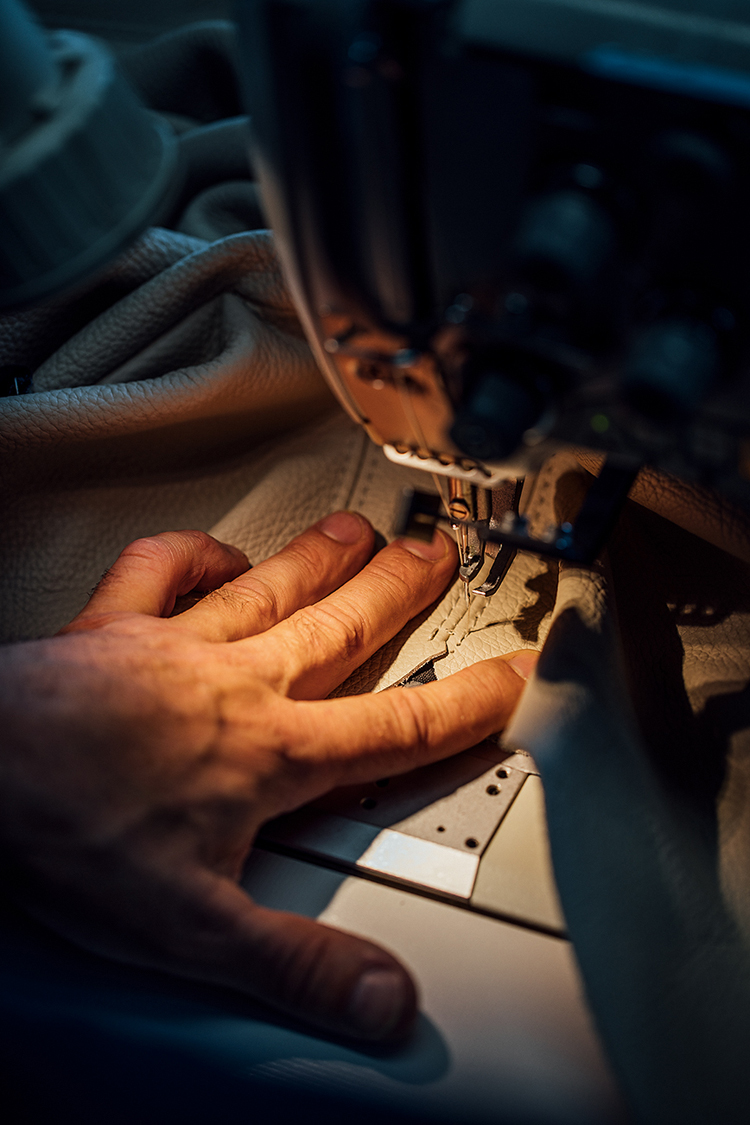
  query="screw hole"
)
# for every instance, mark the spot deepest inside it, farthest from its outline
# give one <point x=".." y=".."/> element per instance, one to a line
<point x="441" y="828"/>
<point x="368" y="803"/>
<point x="472" y="843"/>
<point x="502" y="772"/>
<point x="493" y="790"/>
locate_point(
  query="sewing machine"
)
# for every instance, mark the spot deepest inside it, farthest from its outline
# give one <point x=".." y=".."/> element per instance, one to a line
<point x="509" y="227"/>
<point x="515" y="225"/>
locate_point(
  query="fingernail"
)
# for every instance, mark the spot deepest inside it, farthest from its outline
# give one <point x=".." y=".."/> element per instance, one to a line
<point x="524" y="662"/>
<point x="377" y="1003"/>
<point x="432" y="551"/>
<point x="344" y="527"/>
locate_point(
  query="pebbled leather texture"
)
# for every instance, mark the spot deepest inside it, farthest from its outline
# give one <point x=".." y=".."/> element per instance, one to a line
<point x="31" y="336"/>
<point x="242" y="264"/>
<point x="148" y="417"/>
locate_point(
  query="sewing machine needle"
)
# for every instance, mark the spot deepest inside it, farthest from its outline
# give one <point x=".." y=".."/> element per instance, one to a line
<point x="462" y="539"/>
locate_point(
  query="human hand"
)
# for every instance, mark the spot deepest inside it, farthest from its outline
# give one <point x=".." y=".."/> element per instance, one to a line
<point x="143" y="752"/>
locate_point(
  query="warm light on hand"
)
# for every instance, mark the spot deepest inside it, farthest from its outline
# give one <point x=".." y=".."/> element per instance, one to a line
<point x="144" y="752"/>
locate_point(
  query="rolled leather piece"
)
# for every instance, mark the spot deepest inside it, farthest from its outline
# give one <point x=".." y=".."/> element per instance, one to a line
<point x="86" y="176"/>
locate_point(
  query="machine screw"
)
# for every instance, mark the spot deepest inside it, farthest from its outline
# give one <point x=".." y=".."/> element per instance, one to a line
<point x="459" y="509"/>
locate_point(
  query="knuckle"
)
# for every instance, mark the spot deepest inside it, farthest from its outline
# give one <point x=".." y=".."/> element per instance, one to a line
<point x="198" y="541"/>
<point x="263" y="599"/>
<point x="253" y="596"/>
<point x="306" y="764"/>
<point x="306" y="551"/>
<point x="416" y="720"/>
<point x="344" y="631"/>
<point x="154" y="550"/>
<point x="396" y="579"/>
<point x="167" y="544"/>
<point x="225" y="598"/>
<point x="315" y="558"/>
<point x="149" y="545"/>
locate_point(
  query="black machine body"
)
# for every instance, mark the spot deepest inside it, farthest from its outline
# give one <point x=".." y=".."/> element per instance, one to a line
<point x="515" y="224"/>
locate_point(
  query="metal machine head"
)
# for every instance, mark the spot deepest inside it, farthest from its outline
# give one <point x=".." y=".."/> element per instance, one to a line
<point x="511" y="224"/>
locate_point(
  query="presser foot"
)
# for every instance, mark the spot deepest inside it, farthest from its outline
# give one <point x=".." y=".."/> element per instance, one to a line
<point x="473" y="514"/>
<point x="580" y="541"/>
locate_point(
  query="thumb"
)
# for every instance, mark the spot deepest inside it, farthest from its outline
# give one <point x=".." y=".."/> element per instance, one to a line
<point x="334" y="980"/>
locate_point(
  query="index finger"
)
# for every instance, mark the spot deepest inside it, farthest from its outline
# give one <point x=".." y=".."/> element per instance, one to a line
<point x="363" y="737"/>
